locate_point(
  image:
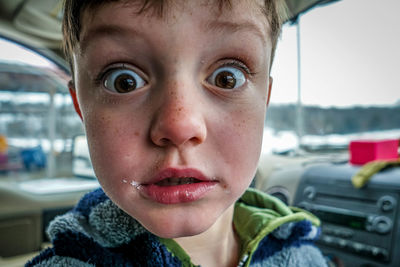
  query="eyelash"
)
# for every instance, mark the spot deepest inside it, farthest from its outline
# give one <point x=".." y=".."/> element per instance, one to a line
<point x="99" y="78"/>
<point x="237" y="63"/>
<point x="228" y="62"/>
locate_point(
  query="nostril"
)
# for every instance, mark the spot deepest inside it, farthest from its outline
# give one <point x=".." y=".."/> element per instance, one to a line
<point x="196" y="140"/>
<point x="164" y="141"/>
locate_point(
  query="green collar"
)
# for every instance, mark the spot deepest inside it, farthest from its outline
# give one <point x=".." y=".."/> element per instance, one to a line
<point x="256" y="215"/>
<point x="177" y="251"/>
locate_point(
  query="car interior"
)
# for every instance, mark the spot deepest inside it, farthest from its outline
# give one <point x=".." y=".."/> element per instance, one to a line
<point x="340" y="163"/>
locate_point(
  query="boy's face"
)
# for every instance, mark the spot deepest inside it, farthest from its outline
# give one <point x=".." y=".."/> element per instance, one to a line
<point x="181" y="96"/>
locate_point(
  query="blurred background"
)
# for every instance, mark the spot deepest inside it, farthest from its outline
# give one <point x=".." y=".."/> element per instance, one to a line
<point x="336" y="79"/>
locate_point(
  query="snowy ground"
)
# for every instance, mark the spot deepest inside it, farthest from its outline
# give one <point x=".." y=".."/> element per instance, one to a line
<point x="288" y="140"/>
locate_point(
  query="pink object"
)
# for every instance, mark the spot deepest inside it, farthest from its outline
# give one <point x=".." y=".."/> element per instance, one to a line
<point x="363" y="151"/>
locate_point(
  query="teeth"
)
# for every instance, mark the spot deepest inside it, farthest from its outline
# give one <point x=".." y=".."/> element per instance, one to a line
<point x="177" y="181"/>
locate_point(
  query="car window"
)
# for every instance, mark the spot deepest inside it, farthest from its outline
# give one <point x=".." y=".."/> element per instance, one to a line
<point x="348" y="78"/>
<point x="37" y="122"/>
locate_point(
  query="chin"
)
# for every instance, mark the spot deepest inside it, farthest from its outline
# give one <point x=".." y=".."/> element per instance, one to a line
<point x="183" y="229"/>
<point x="187" y="222"/>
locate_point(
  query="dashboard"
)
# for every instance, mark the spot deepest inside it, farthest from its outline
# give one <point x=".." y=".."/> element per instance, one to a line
<point x="359" y="227"/>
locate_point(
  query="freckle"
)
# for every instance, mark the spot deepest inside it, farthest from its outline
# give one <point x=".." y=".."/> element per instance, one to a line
<point x="136" y="133"/>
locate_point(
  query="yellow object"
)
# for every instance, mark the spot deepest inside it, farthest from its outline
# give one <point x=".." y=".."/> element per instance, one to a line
<point x="368" y="170"/>
<point x="3" y="144"/>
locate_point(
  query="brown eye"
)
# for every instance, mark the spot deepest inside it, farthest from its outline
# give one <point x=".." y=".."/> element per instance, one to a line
<point x="123" y="81"/>
<point x="227" y="78"/>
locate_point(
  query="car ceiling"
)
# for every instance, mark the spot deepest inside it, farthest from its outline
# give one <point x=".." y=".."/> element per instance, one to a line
<point x="38" y="22"/>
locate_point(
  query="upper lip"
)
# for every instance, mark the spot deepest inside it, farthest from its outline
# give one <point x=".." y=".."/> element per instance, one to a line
<point x="178" y="173"/>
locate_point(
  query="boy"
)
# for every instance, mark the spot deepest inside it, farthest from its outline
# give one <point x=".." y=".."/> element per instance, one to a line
<point x="173" y="96"/>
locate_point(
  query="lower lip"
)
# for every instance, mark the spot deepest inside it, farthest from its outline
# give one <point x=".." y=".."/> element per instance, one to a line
<point x="178" y="193"/>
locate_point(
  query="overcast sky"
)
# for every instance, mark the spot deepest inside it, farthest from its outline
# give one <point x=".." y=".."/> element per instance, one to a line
<point x="350" y="55"/>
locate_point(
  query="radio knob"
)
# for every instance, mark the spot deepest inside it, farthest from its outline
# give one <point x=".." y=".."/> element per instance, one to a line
<point x="382" y="224"/>
<point x="309" y="192"/>
<point x="387" y="203"/>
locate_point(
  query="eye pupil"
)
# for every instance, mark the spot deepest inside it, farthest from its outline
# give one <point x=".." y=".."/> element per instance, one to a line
<point x="225" y="79"/>
<point x="125" y="83"/>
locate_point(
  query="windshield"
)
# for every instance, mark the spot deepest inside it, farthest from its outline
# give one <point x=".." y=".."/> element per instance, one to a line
<point x="343" y="73"/>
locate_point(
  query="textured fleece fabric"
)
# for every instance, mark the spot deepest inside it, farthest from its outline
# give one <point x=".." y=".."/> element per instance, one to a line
<point x="97" y="233"/>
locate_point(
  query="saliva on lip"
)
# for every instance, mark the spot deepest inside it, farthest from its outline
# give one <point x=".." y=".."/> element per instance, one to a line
<point x="136" y="185"/>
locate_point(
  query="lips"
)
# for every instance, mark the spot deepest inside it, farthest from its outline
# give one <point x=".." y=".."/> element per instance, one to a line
<point x="174" y="186"/>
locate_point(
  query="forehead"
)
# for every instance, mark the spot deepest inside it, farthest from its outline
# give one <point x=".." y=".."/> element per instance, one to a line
<point x="165" y="8"/>
<point x="209" y="15"/>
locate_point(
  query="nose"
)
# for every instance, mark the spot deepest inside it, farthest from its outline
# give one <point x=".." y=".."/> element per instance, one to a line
<point x="178" y="120"/>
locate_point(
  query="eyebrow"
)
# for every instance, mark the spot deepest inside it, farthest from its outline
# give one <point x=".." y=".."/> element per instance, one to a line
<point x="227" y="27"/>
<point x="231" y="27"/>
<point x="101" y="31"/>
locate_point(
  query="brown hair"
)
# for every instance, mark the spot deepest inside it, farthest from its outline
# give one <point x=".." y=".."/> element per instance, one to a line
<point x="274" y="10"/>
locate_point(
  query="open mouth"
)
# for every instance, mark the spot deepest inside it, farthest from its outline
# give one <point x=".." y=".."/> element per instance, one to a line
<point x="173" y="181"/>
<point x="174" y="186"/>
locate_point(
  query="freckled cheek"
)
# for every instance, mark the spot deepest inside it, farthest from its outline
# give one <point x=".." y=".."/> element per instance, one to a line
<point x="115" y="145"/>
<point x="240" y="142"/>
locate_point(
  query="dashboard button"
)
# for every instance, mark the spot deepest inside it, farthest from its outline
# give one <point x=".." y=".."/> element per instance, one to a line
<point x="328" y="230"/>
<point x="382" y="224"/>
<point x="310" y="192"/>
<point x="326" y="239"/>
<point x="387" y="203"/>
<point x="357" y="247"/>
<point x="342" y="243"/>
<point x="379" y="253"/>
<point x="347" y="233"/>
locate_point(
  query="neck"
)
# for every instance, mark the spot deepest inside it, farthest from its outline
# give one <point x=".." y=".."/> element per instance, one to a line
<point x="218" y="246"/>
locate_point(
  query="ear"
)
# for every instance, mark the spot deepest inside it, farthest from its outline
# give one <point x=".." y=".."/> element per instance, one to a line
<point x="72" y="92"/>
<point x="269" y="89"/>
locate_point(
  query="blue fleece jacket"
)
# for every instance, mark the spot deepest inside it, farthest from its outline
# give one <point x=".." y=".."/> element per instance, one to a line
<point x="97" y="233"/>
